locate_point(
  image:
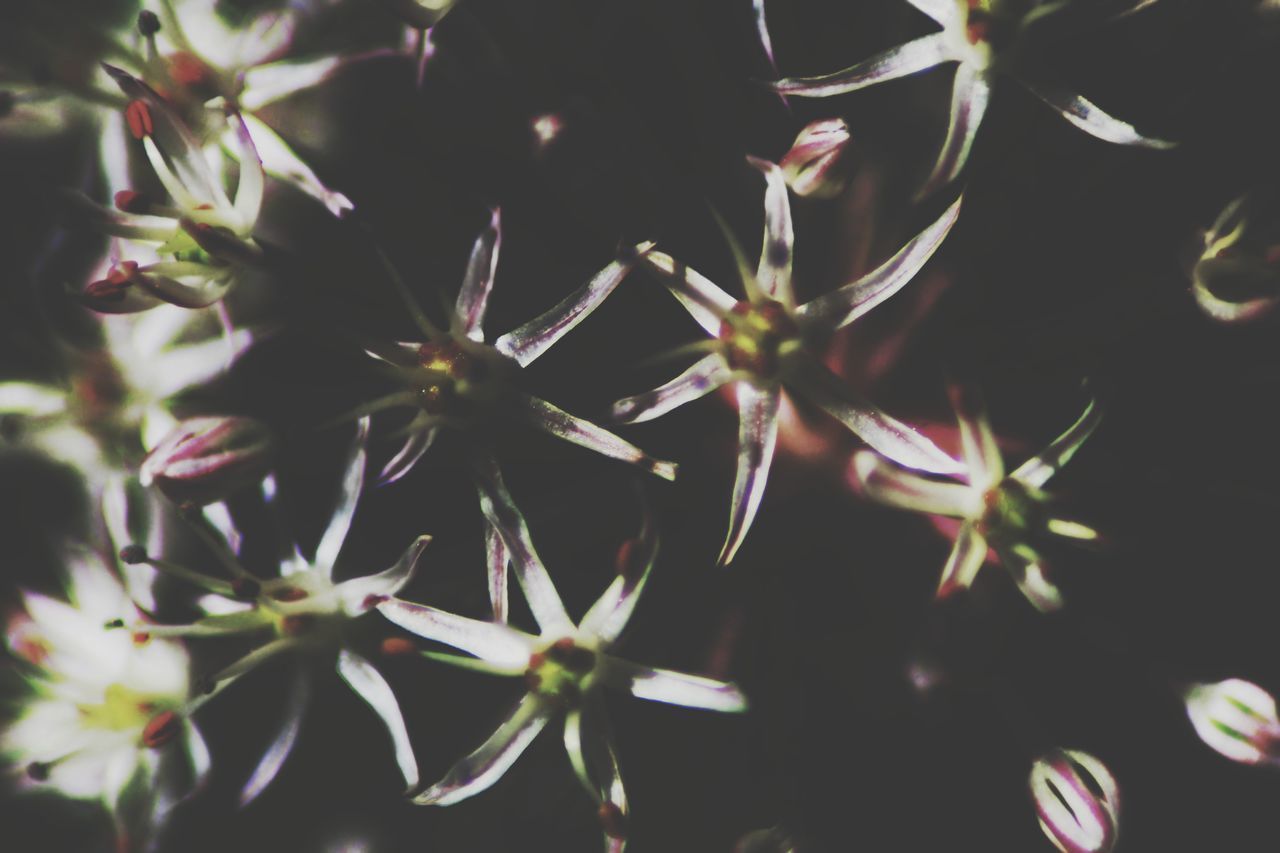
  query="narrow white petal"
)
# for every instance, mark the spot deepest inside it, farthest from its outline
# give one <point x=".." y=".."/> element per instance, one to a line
<point x="282" y="744"/>
<point x="890" y="484"/>
<point x="473" y="298"/>
<point x="773" y="274"/>
<point x="556" y="421"/>
<point x="757" y="435"/>
<point x="280" y="161"/>
<point x="250" y="187"/>
<point x="675" y="688"/>
<point x="345" y="509"/>
<point x="610" y="613"/>
<point x="497" y="559"/>
<point x="497" y="644"/>
<point x="700" y="296"/>
<point x="359" y="594"/>
<point x="704" y="376"/>
<point x="26" y="398"/>
<point x="1092" y="120"/>
<point x="977" y="442"/>
<point x="273" y="81"/>
<point x="970" y="95"/>
<point x="967" y="556"/>
<point x="910" y="58"/>
<point x="370" y="686"/>
<point x="418" y="442"/>
<point x="1037" y="470"/>
<point x="1029" y="573"/>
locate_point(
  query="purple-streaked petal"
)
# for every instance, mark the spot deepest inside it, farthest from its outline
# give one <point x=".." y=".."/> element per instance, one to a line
<point x="265" y="38"/>
<point x="282" y="744"/>
<point x="130" y="226"/>
<point x="473" y="298"/>
<point x="1077" y="801"/>
<point x="496" y="559"/>
<point x="762" y="29"/>
<point x="889" y="436"/>
<point x="977" y="443"/>
<point x="501" y="512"/>
<point x="1028" y="571"/>
<point x="265" y="84"/>
<point x="589" y="743"/>
<point x="704" y="376"/>
<point x="757" y="435"/>
<point x="945" y="12"/>
<point x="360" y="594"/>
<point x="611" y="612"/>
<point x="418" y="442"/>
<point x="970" y="95"/>
<point x="485" y="766"/>
<point x="1037" y="470"/>
<point x="910" y="58"/>
<point x="700" y="296"/>
<point x="889" y="484"/>
<point x="531" y="340"/>
<point x="965" y="560"/>
<point x="674" y="688"/>
<point x="249" y="189"/>
<point x="345" y="508"/>
<point x="773" y="273"/>
<point x="499" y="645"/>
<point x="556" y="421"/>
<point x="370" y="686"/>
<point x="1092" y="120"/>
<point x="849" y="302"/>
<point x="280" y="161"/>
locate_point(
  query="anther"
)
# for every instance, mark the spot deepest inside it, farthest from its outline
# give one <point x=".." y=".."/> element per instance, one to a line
<point x="113" y="624"/>
<point x="38" y="771"/>
<point x="148" y="23"/>
<point x="130" y="201"/>
<point x="630" y="560"/>
<point x="138" y="116"/>
<point x="288" y="593"/>
<point x="612" y="820"/>
<point x="131" y="555"/>
<point x="393" y="646"/>
<point x="160" y="729"/>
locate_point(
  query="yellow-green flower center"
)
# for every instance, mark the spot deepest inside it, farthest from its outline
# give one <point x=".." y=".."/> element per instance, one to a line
<point x="122" y="709"/>
<point x="562" y="671"/>
<point x="758" y="337"/>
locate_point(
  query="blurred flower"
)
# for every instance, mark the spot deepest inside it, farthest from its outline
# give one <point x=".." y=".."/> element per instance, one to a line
<point x="1237" y="719"/>
<point x="985" y="37"/>
<point x="997" y="511"/>
<point x="815" y="165"/>
<point x="207" y="459"/>
<point x="765" y="841"/>
<point x="304" y="611"/>
<point x="106" y="719"/>
<point x="564" y="666"/>
<point x="764" y="343"/>
<point x="1077" y="801"/>
<point x="421" y="14"/>
<point x="455" y="380"/>
<point x="1237" y="276"/>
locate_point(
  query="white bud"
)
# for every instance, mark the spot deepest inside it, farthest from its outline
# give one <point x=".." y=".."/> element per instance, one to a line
<point x="1077" y="801"/>
<point x="1237" y="719"/>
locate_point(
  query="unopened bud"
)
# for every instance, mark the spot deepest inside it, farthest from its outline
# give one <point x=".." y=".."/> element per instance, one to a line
<point x="207" y="459"/>
<point x="1077" y="801"/>
<point x="131" y="201"/>
<point x="1237" y="719"/>
<point x="148" y="23"/>
<point x="817" y="165"/>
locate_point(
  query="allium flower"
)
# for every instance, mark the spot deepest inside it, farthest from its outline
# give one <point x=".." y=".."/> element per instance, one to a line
<point x="107" y="718"/>
<point x="206" y="459"/>
<point x="1237" y="719"/>
<point x="564" y="666"/>
<point x="764" y="343"/>
<point x="304" y="611"/>
<point x="985" y="37"/>
<point x="1077" y="801"/>
<point x="997" y="511"/>
<point x="1237" y="276"/>
<point x="455" y="380"/>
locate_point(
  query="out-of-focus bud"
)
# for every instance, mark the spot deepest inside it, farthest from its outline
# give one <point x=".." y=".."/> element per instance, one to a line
<point x="817" y="164"/>
<point x="206" y="459"/>
<point x="1077" y="801"/>
<point x="1237" y="719"/>
<point x="1237" y="276"/>
<point x="765" y="841"/>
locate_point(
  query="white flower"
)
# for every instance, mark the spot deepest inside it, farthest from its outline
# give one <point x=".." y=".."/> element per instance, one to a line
<point x="106" y="704"/>
<point x="1237" y="719"/>
<point x="1077" y="801"/>
<point x="995" y="510"/>
<point x="565" y="665"/>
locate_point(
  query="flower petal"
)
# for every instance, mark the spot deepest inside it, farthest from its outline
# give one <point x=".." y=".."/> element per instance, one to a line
<point x="762" y="30"/>
<point x="589" y="743"/>
<point x="704" y="376"/>
<point x="482" y="768"/>
<point x="31" y="400"/>
<point x="1037" y="470"/>
<point x="611" y="612"/>
<point x="282" y="744"/>
<point x="977" y="442"/>
<point x="250" y="187"/>
<point x="418" y="442"/>
<point x="1092" y="120"/>
<point x="497" y="644"/>
<point x="890" y="484"/>
<point x="280" y="161"/>
<point x="496" y="557"/>
<point x="501" y="512"/>
<point x="473" y="298"/>
<point x="757" y="435"/>
<point x="345" y="509"/>
<point x="701" y="297"/>
<point x="910" y="58"/>
<point x="970" y="95"/>
<point x="265" y="84"/>
<point x="531" y="340"/>
<point x="845" y="304"/>
<point x="773" y="273"/>
<point x="556" y="421"/>
<point x="370" y="686"/>
<point x="1028" y="571"/>
<point x="675" y="688"/>
<point x="359" y="594"/>
<point x="967" y="556"/>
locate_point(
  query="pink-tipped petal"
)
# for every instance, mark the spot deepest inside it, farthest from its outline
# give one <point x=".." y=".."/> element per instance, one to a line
<point x="970" y="95"/>
<point x="890" y="484"/>
<point x="282" y="744"/>
<point x="674" y="688"/>
<point x="345" y="508"/>
<point x="1088" y="117"/>
<point x="701" y="297"/>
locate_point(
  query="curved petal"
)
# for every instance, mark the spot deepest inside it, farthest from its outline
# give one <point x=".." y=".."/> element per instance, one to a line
<point x="265" y="84"/>
<point x="250" y="187"/>
<point x="845" y="304"/>
<point x="482" y="768"/>
<point x="589" y="743"/>
<point x="1028" y="571"/>
<point x="370" y="686"/>
<point x="977" y="442"/>
<point x="345" y="509"/>
<point x="473" y="298"/>
<point x="970" y="95"/>
<point x="418" y="442"/>
<point x="497" y="559"/>
<point x="497" y="644"/>
<point x="674" y="688"/>
<point x="31" y="400"/>
<point x="773" y="274"/>
<point x="757" y="435"/>
<point x="762" y="30"/>
<point x="360" y="594"/>
<point x="1037" y="470"/>
<point x="889" y="484"/>
<point x="967" y="556"/>
<point x="612" y="610"/>
<point x="704" y="376"/>
<point x="910" y="58"/>
<point x="1092" y="120"/>
<point x="280" y="161"/>
<point x="556" y="421"/>
<point x="282" y="744"/>
<point x="700" y="296"/>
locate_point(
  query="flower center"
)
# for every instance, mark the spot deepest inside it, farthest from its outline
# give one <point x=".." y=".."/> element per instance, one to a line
<point x="452" y="378"/>
<point x="121" y="709"/>
<point x="303" y="605"/>
<point x="1009" y="511"/>
<point x="758" y="337"/>
<point x="561" y="672"/>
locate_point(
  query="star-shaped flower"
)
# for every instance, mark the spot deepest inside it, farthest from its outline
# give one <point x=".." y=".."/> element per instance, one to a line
<point x="764" y="343"/>
<point x="997" y="511"/>
<point x="565" y="666"/>
<point x="985" y="37"/>
<point x="106" y="719"/>
<point x="456" y="380"/>
<point x="304" y="611"/>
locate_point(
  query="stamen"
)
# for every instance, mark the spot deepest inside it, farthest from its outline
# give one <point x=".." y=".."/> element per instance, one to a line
<point x="148" y="23"/>
<point x="161" y="729"/>
<point x="138" y="116"/>
<point x="130" y="201"/>
<point x="393" y="646"/>
<point x="612" y="820"/>
<point x="38" y="770"/>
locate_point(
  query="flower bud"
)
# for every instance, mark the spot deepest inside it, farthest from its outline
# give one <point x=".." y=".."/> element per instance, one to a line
<point x="1237" y="719"/>
<point x="816" y="164"/>
<point x="206" y="459"/>
<point x="1077" y="801"/>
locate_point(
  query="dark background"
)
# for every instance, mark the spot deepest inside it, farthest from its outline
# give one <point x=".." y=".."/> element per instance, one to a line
<point x="1066" y="265"/>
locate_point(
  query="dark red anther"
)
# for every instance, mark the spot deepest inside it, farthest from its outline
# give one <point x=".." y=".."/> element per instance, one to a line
<point x="288" y="593"/>
<point x="131" y="555"/>
<point x="371" y="601"/>
<point x="161" y="729"/>
<point x="132" y="202"/>
<point x="114" y="623"/>
<point x="977" y="30"/>
<point x="141" y="638"/>
<point x="138" y="116"/>
<point x="192" y="72"/>
<point x="38" y="771"/>
<point x="292" y="626"/>
<point x="571" y="656"/>
<point x="393" y="646"/>
<point x="245" y="589"/>
<point x="148" y="23"/>
<point x="105" y="290"/>
<point x="612" y="820"/>
<point x="122" y="273"/>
